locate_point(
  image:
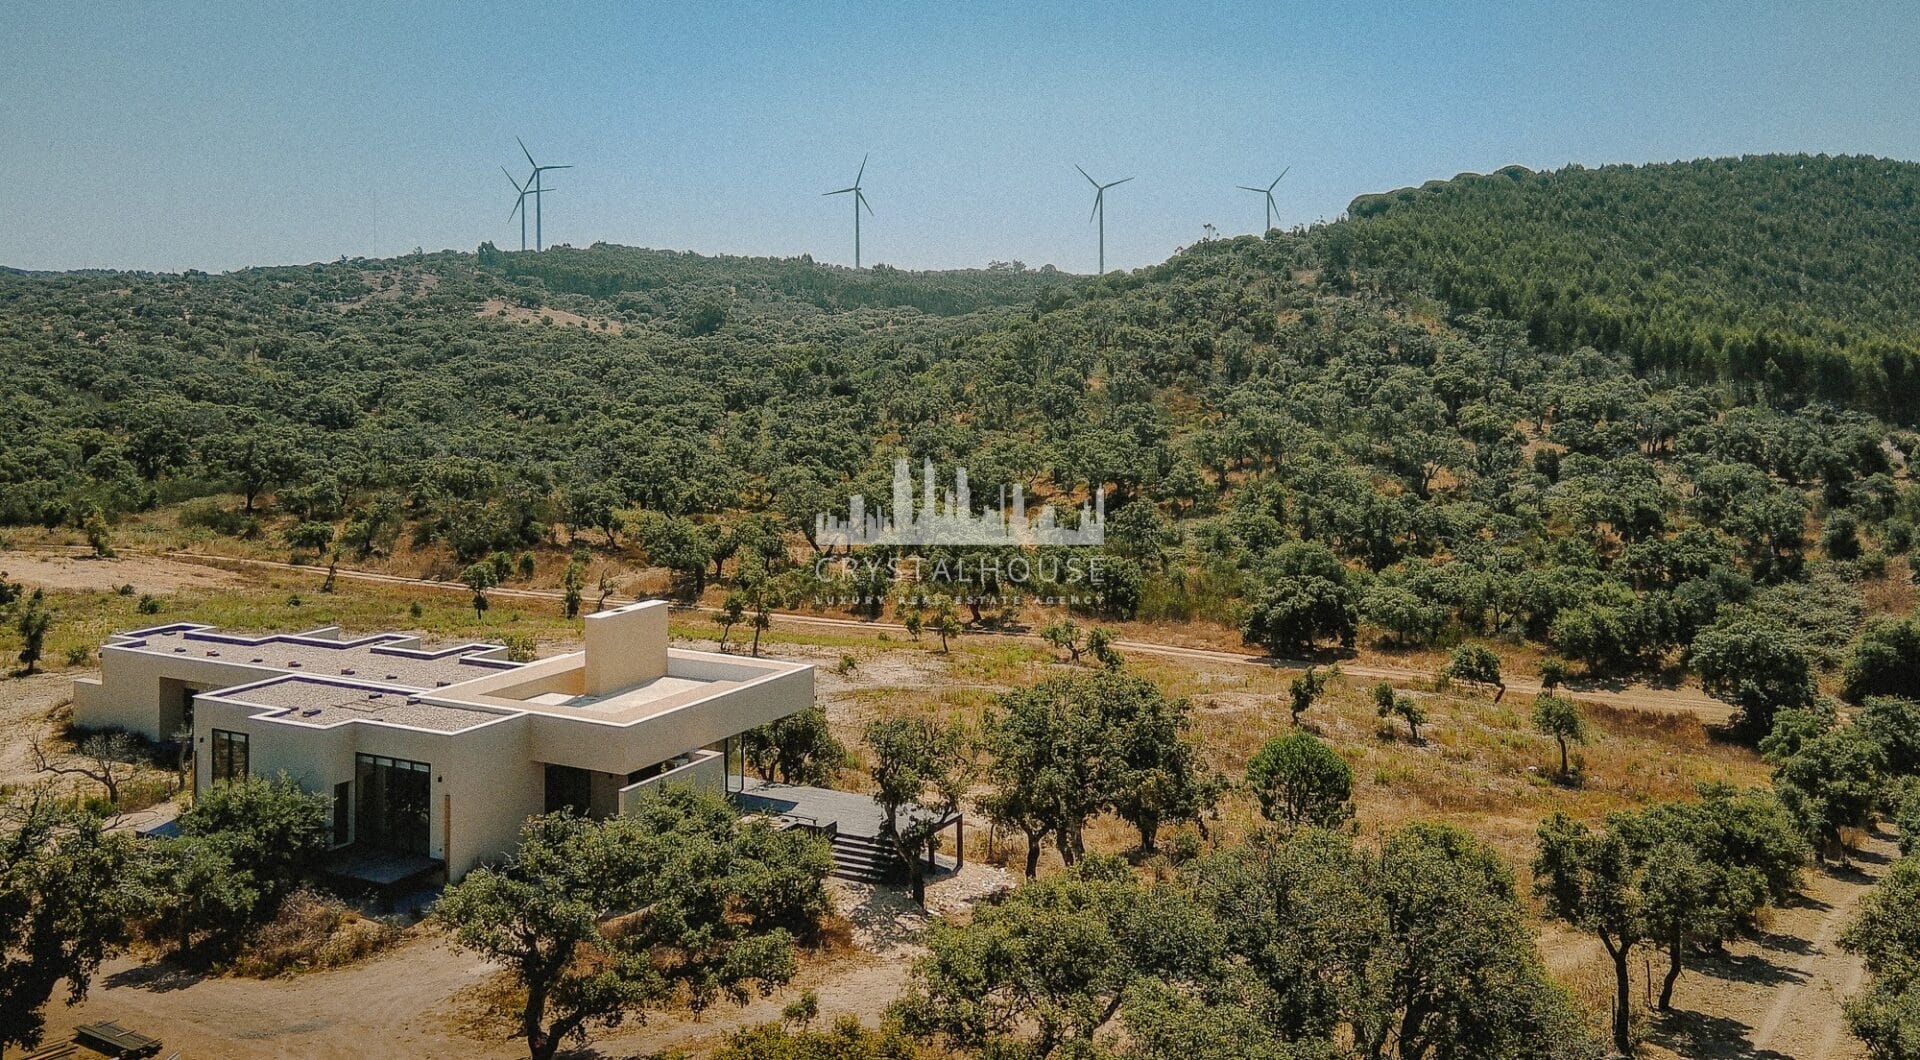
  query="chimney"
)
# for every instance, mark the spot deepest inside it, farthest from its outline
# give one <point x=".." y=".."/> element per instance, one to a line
<point x="626" y="646"/>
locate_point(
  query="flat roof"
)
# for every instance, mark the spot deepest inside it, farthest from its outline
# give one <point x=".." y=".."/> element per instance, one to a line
<point x="320" y="702"/>
<point x="392" y="658"/>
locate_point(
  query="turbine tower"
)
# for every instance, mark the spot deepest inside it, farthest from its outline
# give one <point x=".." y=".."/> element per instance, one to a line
<point x="538" y="169"/>
<point x="859" y="200"/>
<point x="1268" y="192"/>
<point x="1100" y="211"/>
<point x="520" y="204"/>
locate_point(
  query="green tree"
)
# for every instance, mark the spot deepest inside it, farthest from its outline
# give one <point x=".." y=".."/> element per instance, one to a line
<point x="1476" y="664"/>
<point x="310" y="537"/>
<point x="1291" y="614"/>
<point x="677" y="544"/>
<point x="1830" y="784"/>
<point x="732" y="610"/>
<point x="63" y="906"/>
<point x="920" y="770"/>
<point x="573" y="582"/>
<point x="1594" y="881"/>
<point x="797" y="749"/>
<point x="1066" y="636"/>
<point x="1299" y="780"/>
<point x="1305" y="689"/>
<point x="946" y="621"/>
<point x="846" y="1039"/>
<point x="1756" y="665"/>
<point x="31" y="620"/>
<point x="1387" y="704"/>
<point x="478" y="578"/>
<point x="600" y="919"/>
<point x="1561" y="719"/>
<point x="1052" y="762"/>
<point x="1885" y="661"/>
<point x="1046" y="971"/>
<point x="1885" y="933"/>
<point x="1553" y="674"/>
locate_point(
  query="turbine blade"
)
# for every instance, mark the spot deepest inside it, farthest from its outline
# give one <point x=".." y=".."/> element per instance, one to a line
<point x="524" y="151"/>
<point x="517" y="203"/>
<point x="861" y="198"/>
<point x="863" y="170"/>
<point x="1243" y="187"/>
<point x="1278" y="179"/>
<point x="1091" y="214"/>
<point x="516" y="184"/>
<point x="1083" y="173"/>
<point x="842" y="191"/>
<point x="1117" y="183"/>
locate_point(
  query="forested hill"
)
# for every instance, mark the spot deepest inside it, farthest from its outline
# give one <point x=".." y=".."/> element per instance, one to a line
<point x="633" y="277"/>
<point x="1309" y="435"/>
<point x="1792" y="275"/>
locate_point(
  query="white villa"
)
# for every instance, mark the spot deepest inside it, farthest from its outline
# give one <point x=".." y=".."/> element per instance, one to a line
<point x="442" y="754"/>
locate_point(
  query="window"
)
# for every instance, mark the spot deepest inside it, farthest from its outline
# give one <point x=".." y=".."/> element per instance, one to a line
<point x="229" y="755"/>
<point x="394" y="803"/>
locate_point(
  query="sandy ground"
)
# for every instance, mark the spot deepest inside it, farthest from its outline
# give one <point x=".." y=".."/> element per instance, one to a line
<point x="147" y="574"/>
<point x="26" y="711"/>
<point x="405" y="1001"/>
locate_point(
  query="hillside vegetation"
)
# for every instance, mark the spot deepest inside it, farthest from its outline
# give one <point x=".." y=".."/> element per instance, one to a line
<point x="1318" y="438"/>
<point x="1789" y="276"/>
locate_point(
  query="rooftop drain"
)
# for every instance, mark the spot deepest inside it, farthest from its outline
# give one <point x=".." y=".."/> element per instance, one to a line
<point x="309" y="712"/>
<point x="180" y="651"/>
<point x="294" y="663"/>
<point x="393" y="677"/>
<point x="259" y="658"/>
<point x="346" y="671"/>
<point x="211" y="654"/>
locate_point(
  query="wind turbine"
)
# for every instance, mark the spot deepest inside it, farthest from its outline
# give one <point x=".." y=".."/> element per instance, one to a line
<point x="1268" y="192"/>
<point x="859" y="200"/>
<point x="1100" y="211"/>
<point x="538" y="169"/>
<point x="520" y="204"/>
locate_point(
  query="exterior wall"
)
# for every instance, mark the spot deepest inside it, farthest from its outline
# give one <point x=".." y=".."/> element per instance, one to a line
<point x="485" y="784"/>
<point x="133" y="692"/>
<point x="707" y="772"/>
<point x="586" y="744"/>
<point x="626" y="646"/>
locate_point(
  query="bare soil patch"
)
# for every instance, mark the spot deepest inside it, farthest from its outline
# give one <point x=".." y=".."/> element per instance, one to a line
<point x="147" y="574"/>
<point x="29" y="710"/>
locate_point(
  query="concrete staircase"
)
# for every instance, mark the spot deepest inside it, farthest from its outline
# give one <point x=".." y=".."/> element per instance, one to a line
<point x="866" y="860"/>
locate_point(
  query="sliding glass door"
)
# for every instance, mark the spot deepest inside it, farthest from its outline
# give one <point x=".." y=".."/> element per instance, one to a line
<point x="395" y="804"/>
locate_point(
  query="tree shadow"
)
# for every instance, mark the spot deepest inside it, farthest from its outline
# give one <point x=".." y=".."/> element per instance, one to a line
<point x="1698" y="1036"/>
<point x="159" y="977"/>
<point x="1779" y="943"/>
<point x="1750" y="968"/>
<point x="1803" y="900"/>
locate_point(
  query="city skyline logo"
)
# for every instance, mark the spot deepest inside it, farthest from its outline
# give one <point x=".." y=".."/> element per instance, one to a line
<point x="948" y="518"/>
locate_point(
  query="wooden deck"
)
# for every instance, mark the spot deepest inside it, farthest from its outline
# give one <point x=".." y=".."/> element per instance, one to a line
<point x="849" y="812"/>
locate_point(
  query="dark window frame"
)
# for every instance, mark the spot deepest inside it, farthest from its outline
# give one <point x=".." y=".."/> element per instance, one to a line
<point x="224" y="765"/>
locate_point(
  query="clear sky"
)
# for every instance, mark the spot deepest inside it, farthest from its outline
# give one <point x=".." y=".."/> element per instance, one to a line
<point x="214" y="135"/>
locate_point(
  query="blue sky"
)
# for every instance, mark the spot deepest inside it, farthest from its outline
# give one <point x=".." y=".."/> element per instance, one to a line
<point x="218" y="135"/>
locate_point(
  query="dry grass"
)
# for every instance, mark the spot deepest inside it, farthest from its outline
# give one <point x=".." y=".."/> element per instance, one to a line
<point x="312" y="931"/>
